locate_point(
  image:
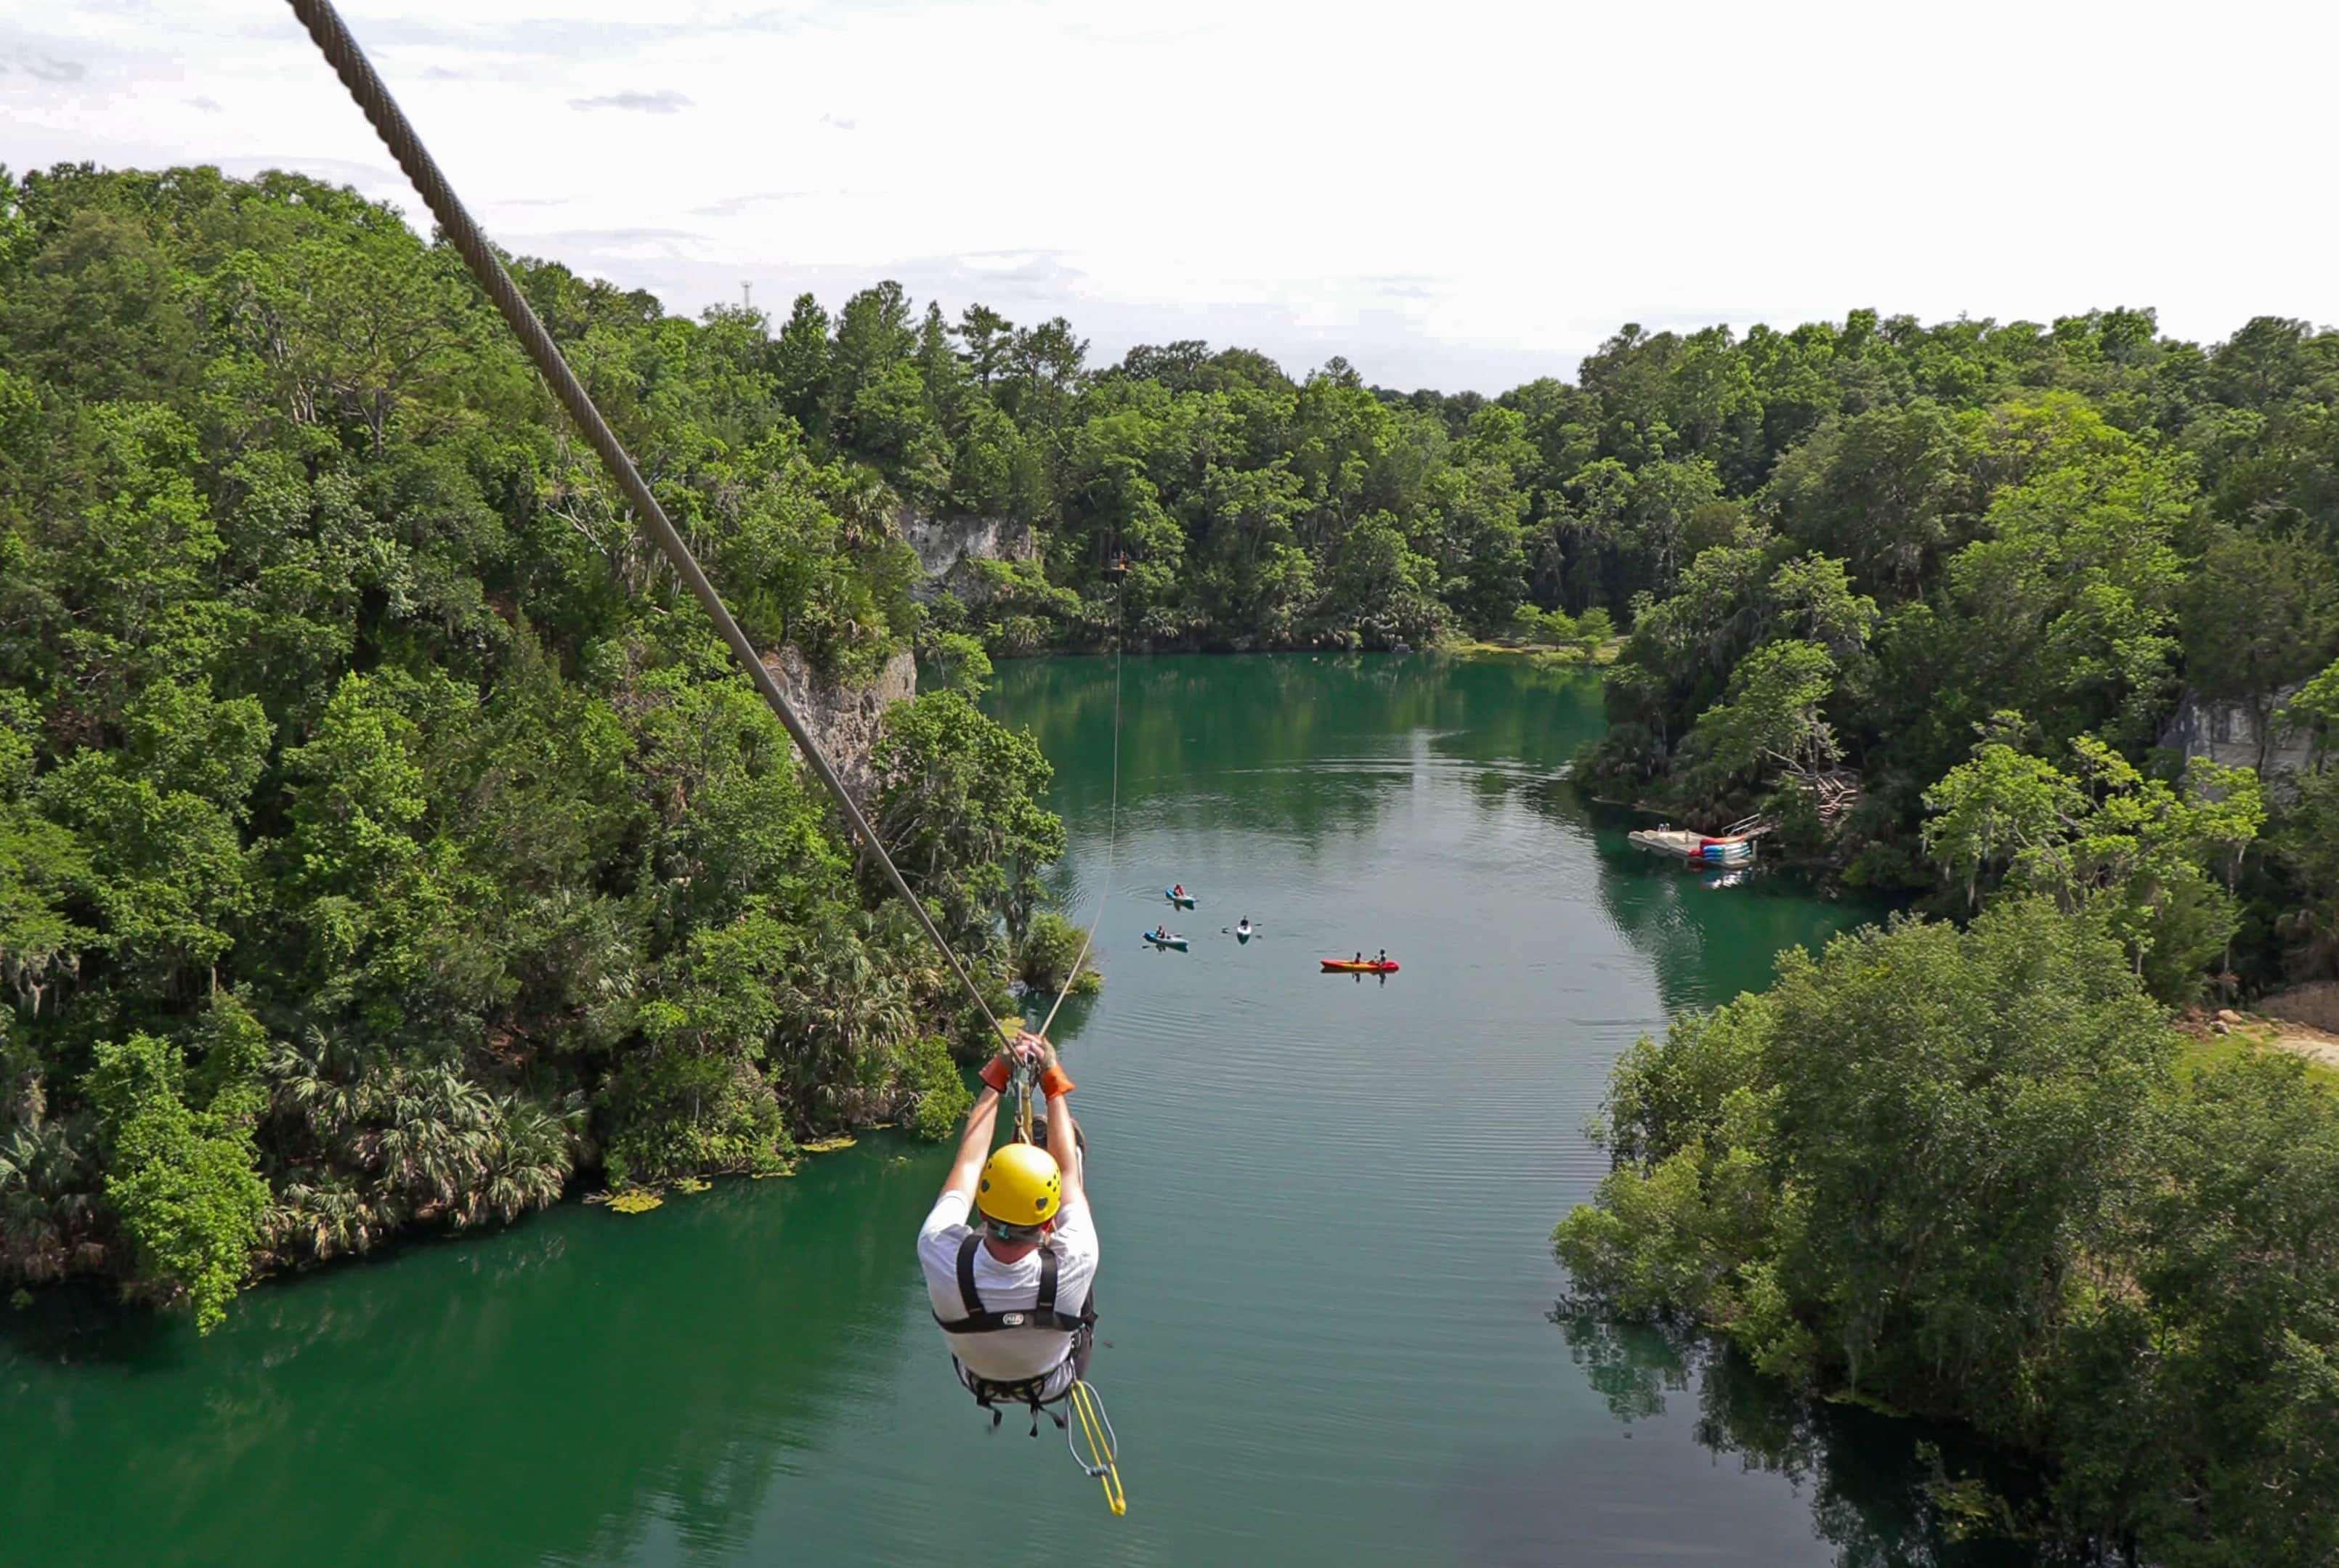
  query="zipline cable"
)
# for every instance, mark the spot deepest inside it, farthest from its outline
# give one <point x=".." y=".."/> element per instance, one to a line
<point x="357" y="74"/>
<point x="1112" y="822"/>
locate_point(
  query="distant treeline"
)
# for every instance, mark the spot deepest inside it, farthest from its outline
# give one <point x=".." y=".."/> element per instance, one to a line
<point x="1929" y="596"/>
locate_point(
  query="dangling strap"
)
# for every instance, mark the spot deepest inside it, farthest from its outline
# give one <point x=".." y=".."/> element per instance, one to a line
<point x="1028" y="1392"/>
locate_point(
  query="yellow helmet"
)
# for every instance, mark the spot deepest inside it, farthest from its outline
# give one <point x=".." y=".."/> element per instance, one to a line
<point x="1021" y="1186"/>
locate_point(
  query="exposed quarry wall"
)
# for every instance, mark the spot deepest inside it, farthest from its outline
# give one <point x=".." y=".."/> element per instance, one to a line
<point x="844" y="718"/>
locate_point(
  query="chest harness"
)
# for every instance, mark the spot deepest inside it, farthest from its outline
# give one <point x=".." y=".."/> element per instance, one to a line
<point x="1042" y="1314"/>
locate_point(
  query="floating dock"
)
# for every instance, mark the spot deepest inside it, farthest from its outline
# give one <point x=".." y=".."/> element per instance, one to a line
<point x="1697" y="848"/>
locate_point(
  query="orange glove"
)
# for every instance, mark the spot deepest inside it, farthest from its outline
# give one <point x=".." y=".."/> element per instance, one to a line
<point x="1055" y="1081"/>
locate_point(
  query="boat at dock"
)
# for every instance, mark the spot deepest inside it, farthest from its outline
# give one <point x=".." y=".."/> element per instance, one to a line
<point x="1697" y="848"/>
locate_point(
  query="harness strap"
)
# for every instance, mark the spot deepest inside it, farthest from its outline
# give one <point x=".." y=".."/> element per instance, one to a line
<point x="1030" y="1390"/>
<point x="967" y="1295"/>
<point x="980" y="1319"/>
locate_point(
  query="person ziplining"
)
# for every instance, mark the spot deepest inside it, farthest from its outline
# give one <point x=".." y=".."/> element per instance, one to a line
<point x="1014" y="1290"/>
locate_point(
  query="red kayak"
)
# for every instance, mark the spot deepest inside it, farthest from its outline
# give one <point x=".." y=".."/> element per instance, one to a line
<point x="1350" y="966"/>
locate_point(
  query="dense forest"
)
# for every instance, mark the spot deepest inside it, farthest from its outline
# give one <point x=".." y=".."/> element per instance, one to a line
<point x="1937" y="600"/>
<point x="383" y="840"/>
<point x="1974" y="1174"/>
<point x="1942" y="639"/>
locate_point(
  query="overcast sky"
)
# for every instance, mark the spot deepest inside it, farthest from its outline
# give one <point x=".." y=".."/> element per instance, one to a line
<point x="1451" y="193"/>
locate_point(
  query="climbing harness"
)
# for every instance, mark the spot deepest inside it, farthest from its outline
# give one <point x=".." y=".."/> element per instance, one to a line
<point x="333" y="37"/>
<point x="1087" y="1432"/>
<point x="1042" y="1313"/>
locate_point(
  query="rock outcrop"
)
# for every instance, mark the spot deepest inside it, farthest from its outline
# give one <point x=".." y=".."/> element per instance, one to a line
<point x="2242" y="733"/>
<point x="948" y="547"/>
<point x="846" y="719"/>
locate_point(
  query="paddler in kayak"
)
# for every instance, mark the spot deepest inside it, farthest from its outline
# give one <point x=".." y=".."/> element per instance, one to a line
<point x="1013" y="1292"/>
<point x="1179" y="890"/>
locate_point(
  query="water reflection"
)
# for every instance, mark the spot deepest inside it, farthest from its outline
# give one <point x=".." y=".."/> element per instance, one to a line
<point x="581" y="1388"/>
<point x="1287" y="743"/>
<point x="1884" y="1491"/>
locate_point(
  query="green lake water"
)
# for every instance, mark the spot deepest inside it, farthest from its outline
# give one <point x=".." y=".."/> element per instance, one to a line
<point x="1328" y="1328"/>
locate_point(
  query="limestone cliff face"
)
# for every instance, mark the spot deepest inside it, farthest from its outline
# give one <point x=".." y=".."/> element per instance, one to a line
<point x="845" y="719"/>
<point x="948" y="548"/>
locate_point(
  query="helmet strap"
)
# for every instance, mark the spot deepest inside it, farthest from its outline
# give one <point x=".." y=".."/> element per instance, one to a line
<point x="1015" y="1235"/>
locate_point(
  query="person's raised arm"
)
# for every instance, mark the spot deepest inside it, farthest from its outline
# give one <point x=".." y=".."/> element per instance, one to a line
<point x="1063" y="1138"/>
<point x="974" y="1144"/>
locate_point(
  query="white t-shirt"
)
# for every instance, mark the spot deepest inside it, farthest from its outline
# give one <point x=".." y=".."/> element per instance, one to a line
<point x="1011" y="1355"/>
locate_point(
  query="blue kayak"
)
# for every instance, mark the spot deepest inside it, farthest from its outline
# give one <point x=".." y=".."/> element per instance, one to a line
<point x="1182" y="899"/>
<point x="1177" y="941"/>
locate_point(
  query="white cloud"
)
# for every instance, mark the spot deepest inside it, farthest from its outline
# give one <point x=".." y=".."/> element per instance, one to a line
<point x="1465" y="195"/>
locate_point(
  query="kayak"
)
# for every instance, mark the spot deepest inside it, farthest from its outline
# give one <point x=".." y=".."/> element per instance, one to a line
<point x="1350" y="966"/>
<point x="1177" y="941"/>
<point x="1242" y="933"/>
<point x="1182" y="899"/>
